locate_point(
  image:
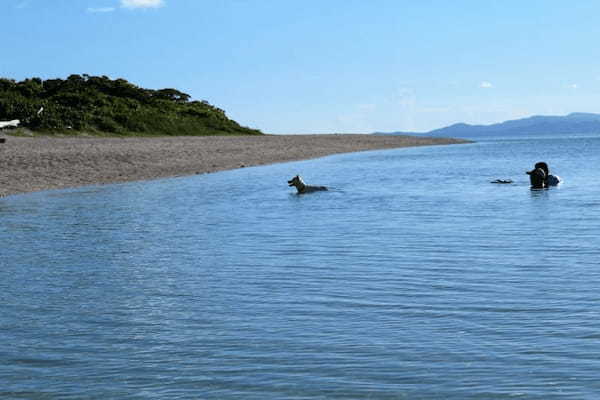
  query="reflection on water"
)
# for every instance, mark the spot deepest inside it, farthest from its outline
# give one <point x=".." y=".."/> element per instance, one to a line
<point x="413" y="278"/>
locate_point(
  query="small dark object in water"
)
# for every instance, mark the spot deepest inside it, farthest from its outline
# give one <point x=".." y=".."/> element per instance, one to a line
<point x="502" y="181"/>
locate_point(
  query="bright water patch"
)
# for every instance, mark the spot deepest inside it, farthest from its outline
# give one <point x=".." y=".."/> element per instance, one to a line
<point x="414" y="277"/>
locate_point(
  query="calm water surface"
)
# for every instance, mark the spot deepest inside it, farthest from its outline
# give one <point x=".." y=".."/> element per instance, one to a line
<point x="414" y="278"/>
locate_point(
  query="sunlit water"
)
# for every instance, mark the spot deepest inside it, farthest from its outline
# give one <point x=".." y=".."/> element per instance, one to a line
<point x="414" y="278"/>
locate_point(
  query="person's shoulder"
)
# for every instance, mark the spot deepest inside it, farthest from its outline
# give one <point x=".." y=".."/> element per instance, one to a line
<point x="553" y="179"/>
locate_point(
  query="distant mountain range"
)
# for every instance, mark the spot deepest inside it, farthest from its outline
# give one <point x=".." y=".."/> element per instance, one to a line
<point x="572" y="123"/>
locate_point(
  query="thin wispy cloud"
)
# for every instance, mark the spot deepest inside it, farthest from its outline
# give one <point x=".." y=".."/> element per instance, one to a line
<point x="142" y="3"/>
<point x="95" y="10"/>
<point x="573" y="86"/>
<point x="486" y="85"/>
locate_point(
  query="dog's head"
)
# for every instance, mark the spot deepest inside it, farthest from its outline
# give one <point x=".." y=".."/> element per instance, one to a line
<point x="296" y="181"/>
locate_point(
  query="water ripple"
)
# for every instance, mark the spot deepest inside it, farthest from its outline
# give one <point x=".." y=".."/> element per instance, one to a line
<point x="392" y="286"/>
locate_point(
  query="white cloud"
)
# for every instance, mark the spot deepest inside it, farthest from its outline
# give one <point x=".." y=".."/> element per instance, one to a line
<point x="142" y="3"/>
<point x="100" y="9"/>
<point x="573" y="86"/>
<point x="486" y="85"/>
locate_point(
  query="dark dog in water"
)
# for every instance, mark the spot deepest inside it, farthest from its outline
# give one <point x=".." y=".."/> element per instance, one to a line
<point x="541" y="173"/>
<point x="549" y="180"/>
<point x="303" y="187"/>
<point x="537" y="177"/>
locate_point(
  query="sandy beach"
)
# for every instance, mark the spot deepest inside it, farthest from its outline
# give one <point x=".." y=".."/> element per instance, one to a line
<point x="41" y="163"/>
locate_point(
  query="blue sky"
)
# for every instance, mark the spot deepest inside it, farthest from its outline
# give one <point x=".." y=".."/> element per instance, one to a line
<point x="324" y="66"/>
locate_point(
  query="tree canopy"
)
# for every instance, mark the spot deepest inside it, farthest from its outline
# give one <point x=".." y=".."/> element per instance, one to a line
<point x="100" y="105"/>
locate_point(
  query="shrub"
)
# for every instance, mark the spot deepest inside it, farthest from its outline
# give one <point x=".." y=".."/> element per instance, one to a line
<point x="84" y="103"/>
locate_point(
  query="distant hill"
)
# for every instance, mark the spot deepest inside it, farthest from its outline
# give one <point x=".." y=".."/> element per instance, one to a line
<point x="572" y="123"/>
<point x="100" y="105"/>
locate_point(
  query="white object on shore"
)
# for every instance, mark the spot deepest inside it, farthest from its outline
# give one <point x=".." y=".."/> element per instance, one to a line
<point x="9" y="124"/>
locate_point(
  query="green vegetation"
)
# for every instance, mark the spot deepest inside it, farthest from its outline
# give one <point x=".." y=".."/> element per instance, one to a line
<point x="101" y="106"/>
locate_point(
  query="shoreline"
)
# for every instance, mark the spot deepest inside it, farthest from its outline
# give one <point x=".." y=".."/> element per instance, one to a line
<point x="31" y="164"/>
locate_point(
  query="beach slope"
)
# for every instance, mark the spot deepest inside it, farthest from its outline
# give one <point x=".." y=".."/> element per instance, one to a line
<point x="41" y="163"/>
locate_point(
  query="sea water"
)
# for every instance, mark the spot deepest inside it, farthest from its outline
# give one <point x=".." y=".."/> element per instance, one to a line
<point x="413" y="277"/>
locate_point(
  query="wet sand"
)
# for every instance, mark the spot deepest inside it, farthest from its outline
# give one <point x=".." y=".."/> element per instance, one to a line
<point x="41" y="163"/>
